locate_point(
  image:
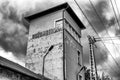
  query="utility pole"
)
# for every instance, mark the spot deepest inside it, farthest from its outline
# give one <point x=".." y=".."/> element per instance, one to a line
<point x="93" y="68"/>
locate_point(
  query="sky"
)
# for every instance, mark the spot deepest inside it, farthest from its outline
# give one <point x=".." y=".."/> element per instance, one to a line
<point x="13" y="33"/>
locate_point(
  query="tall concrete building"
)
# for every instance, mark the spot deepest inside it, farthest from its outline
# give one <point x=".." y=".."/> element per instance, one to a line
<point x="54" y="47"/>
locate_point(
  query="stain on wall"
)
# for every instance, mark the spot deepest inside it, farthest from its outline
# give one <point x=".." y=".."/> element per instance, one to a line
<point x="43" y="33"/>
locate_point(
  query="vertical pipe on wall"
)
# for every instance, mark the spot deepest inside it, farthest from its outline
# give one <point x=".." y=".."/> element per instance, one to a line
<point x="64" y="63"/>
<point x="64" y="55"/>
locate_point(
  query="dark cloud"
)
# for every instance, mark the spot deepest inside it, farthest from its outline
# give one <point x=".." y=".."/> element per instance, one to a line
<point x="8" y="12"/>
<point x="101" y="52"/>
<point x="100" y="7"/>
<point x="117" y="32"/>
<point x="12" y="32"/>
<point x="115" y="70"/>
<point x="39" y="7"/>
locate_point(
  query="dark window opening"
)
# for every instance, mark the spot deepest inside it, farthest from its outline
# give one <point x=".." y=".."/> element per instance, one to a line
<point x="34" y="50"/>
<point x="79" y="58"/>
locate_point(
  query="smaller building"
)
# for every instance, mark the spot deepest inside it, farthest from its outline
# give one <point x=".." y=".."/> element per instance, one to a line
<point x="12" y="71"/>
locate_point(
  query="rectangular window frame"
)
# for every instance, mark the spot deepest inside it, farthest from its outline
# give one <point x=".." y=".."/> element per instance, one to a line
<point x="79" y="58"/>
<point x="56" y="21"/>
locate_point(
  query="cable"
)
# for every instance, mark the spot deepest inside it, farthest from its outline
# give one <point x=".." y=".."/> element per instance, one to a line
<point x="114" y="13"/>
<point x="106" y="31"/>
<point x="106" y="39"/>
<point x="103" y="24"/>
<point x="109" y="37"/>
<point x="117" y="8"/>
<point x="95" y="31"/>
<point x="109" y="65"/>
<point x="85" y="16"/>
<point x="111" y="43"/>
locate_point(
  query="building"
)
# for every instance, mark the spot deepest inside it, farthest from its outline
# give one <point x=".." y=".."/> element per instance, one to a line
<point x="12" y="71"/>
<point x="60" y="28"/>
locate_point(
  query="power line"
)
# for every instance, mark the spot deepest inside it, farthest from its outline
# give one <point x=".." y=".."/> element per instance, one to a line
<point x="111" y="67"/>
<point x="106" y="39"/>
<point x="102" y="23"/>
<point x="111" y="43"/>
<point x="111" y="55"/>
<point x="106" y="31"/>
<point x="109" y="64"/>
<point x="114" y="13"/>
<point x="85" y="16"/>
<point x="117" y="8"/>
<point x="111" y="37"/>
<point x="96" y="32"/>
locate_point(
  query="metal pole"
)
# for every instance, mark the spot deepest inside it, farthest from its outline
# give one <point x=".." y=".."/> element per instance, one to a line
<point x="91" y="62"/>
<point x="96" y="74"/>
<point x="50" y="48"/>
<point x="93" y="69"/>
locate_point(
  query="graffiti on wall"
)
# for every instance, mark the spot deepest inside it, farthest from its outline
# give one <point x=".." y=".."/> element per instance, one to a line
<point x="45" y="33"/>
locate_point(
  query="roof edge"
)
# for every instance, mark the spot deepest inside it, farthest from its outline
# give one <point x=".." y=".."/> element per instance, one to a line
<point x="18" y="68"/>
<point x="53" y="9"/>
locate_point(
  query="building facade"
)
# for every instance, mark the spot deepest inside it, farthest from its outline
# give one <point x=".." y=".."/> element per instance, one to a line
<point x="61" y="28"/>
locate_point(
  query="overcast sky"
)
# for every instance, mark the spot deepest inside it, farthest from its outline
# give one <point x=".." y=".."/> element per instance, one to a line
<point x="13" y="34"/>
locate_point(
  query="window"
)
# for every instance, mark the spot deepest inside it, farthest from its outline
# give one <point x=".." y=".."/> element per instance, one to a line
<point x="34" y="50"/>
<point x="79" y="58"/>
<point x="59" y="23"/>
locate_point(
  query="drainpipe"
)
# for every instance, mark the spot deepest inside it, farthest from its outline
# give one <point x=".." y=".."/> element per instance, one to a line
<point x="50" y="48"/>
<point x="64" y="55"/>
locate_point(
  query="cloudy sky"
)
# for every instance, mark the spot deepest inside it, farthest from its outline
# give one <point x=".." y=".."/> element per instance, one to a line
<point x="100" y="13"/>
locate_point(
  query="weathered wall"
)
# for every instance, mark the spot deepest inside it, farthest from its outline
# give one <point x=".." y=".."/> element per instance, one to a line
<point x="7" y="74"/>
<point x="72" y="46"/>
<point x="73" y="23"/>
<point x="46" y="34"/>
<point x="43" y="33"/>
<point x="44" y="23"/>
<point x="71" y="52"/>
